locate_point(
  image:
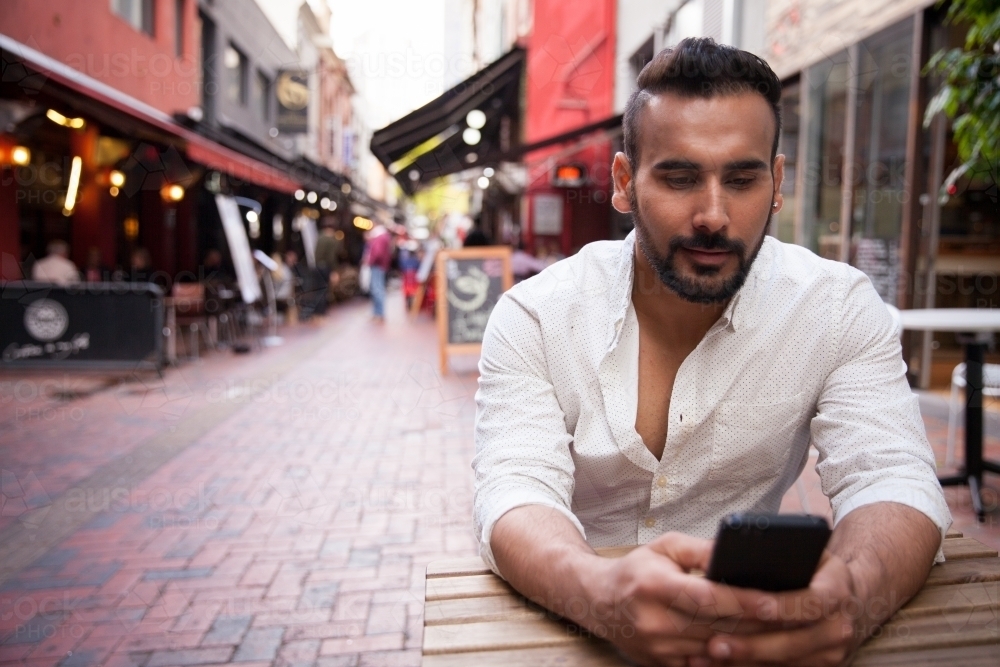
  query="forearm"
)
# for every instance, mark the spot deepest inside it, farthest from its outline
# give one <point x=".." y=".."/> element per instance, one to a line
<point x="542" y="555"/>
<point x="889" y="549"/>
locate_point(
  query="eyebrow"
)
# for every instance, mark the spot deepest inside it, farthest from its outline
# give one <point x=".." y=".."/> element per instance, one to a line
<point x="687" y="165"/>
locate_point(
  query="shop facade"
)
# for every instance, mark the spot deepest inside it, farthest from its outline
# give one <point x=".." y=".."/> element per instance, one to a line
<point x="864" y="175"/>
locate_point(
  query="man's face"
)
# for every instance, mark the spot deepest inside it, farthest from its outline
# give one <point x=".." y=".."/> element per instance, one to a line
<point x="702" y="192"/>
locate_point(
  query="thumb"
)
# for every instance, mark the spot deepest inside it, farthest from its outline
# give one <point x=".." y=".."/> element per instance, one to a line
<point x="688" y="552"/>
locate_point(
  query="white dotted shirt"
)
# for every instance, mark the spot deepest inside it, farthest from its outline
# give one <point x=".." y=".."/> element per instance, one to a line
<point x="805" y="353"/>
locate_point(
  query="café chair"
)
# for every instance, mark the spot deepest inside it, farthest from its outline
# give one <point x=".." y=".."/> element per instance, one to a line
<point x="991" y="387"/>
<point x="189" y="301"/>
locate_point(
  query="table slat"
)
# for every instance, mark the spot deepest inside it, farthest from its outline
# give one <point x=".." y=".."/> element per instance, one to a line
<point x="966" y="547"/>
<point x="954" y="599"/>
<point x="965" y="571"/>
<point x="942" y="630"/>
<point x="497" y="636"/>
<point x="479" y="610"/>
<point x="964" y="656"/>
<point x="457" y="567"/>
<point x="581" y="654"/>
<point x="475" y="586"/>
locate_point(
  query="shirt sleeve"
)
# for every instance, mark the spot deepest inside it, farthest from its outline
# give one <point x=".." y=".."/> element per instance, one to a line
<point x="868" y="429"/>
<point x="522" y="444"/>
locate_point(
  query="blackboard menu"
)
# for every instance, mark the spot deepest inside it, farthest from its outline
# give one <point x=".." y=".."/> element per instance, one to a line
<point x="470" y="282"/>
<point x="474" y="287"/>
<point x="101" y="325"/>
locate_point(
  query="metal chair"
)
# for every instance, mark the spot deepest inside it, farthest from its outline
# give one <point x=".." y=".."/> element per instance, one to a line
<point x="991" y="387"/>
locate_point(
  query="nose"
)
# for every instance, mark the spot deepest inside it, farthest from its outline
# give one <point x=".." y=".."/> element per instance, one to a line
<point x="712" y="216"/>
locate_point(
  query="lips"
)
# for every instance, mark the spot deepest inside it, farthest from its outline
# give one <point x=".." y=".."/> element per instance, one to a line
<point x="708" y="257"/>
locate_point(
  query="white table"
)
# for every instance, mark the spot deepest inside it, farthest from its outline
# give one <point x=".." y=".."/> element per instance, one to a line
<point x="976" y="327"/>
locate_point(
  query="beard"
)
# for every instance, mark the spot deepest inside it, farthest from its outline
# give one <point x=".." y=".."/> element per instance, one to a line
<point x="706" y="287"/>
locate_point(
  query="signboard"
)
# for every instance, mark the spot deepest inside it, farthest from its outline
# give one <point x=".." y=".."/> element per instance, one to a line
<point x="548" y="215"/>
<point x="98" y="325"/>
<point x="469" y="284"/>
<point x="239" y="248"/>
<point x="292" y="91"/>
<point x="569" y="176"/>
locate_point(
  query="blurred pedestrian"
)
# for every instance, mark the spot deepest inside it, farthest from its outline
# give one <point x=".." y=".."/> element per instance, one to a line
<point x="95" y="270"/>
<point x="378" y="257"/>
<point x="56" y="267"/>
<point x="327" y="256"/>
<point x="140" y="266"/>
<point x="477" y="237"/>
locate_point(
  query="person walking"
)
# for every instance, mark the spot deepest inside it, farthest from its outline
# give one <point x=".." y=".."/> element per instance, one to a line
<point x="378" y="257"/>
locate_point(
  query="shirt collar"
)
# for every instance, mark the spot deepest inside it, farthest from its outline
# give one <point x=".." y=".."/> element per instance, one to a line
<point x="738" y="313"/>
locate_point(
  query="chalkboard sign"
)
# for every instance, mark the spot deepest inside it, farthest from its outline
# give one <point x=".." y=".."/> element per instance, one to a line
<point x="85" y="325"/>
<point x="469" y="284"/>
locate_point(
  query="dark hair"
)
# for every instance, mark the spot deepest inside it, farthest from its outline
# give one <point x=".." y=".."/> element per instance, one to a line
<point x="698" y="67"/>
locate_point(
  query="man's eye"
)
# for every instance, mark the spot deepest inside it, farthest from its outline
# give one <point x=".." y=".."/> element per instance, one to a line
<point x="680" y="181"/>
<point x="741" y="182"/>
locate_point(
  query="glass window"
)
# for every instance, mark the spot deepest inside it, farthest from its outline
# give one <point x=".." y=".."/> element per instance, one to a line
<point x="179" y="28"/>
<point x="880" y="155"/>
<point x="827" y="83"/>
<point x="138" y="13"/>
<point x="261" y="95"/>
<point x="236" y="75"/>
<point x="788" y="145"/>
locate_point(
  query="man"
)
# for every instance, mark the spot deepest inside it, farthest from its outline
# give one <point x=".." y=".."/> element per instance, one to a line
<point x="640" y="391"/>
<point x="327" y="256"/>
<point x="56" y="266"/>
<point x="378" y="257"/>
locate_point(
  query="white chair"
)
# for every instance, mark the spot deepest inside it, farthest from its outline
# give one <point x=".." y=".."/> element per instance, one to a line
<point x="991" y="387"/>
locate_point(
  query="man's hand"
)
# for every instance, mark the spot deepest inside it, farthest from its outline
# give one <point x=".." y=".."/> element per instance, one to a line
<point x="878" y="557"/>
<point x="650" y="606"/>
<point x="818" y="626"/>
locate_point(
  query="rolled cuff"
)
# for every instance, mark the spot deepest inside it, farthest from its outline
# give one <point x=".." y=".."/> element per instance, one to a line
<point x="925" y="497"/>
<point x="520" y="498"/>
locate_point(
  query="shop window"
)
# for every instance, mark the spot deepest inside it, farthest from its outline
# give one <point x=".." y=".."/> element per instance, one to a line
<point x="261" y="95"/>
<point x="783" y="226"/>
<point x="883" y="76"/>
<point x="236" y="75"/>
<point x="827" y="91"/>
<point x="179" y="28"/>
<point x="138" y="13"/>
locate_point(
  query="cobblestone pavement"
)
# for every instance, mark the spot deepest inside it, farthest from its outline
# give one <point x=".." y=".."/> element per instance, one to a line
<point x="276" y="508"/>
<point x="273" y="508"/>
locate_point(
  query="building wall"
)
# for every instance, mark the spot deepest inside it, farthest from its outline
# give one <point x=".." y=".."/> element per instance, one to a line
<point x="243" y="24"/>
<point x="803" y="32"/>
<point x="570" y="83"/>
<point x="637" y="21"/>
<point x="88" y="36"/>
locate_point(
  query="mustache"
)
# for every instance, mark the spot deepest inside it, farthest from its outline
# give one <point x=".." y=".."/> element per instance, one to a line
<point x="708" y="242"/>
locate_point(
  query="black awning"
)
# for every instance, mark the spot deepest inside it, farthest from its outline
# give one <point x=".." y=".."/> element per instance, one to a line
<point x="433" y="140"/>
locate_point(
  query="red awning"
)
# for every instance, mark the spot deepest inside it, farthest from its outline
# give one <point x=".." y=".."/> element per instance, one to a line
<point x="237" y="165"/>
<point x="198" y="148"/>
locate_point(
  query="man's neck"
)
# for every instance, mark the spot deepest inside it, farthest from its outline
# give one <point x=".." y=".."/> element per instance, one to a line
<point x="672" y="319"/>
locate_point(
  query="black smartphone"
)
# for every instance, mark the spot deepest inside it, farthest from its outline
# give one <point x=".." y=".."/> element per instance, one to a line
<point x="769" y="552"/>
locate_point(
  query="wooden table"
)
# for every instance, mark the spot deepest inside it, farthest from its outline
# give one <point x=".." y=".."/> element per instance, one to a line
<point x="473" y="618"/>
<point x="974" y="328"/>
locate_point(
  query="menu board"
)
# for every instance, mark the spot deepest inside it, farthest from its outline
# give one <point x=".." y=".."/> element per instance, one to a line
<point x="469" y="284"/>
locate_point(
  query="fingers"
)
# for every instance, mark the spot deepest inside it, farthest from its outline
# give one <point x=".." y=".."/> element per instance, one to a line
<point x="688" y="552"/>
<point x="788" y="646"/>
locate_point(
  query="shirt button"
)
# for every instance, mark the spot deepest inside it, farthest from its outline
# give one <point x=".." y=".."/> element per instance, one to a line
<point x="661" y="481"/>
<point x="650" y="522"/>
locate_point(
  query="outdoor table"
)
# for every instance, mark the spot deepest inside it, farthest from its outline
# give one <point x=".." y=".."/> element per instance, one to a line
<point x="975" y="327"/>
<point x="472" y="617"/>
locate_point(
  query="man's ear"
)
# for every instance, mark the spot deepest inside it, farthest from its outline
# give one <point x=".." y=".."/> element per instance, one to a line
<point x="778" y="173"/>
<point x="621" y="177"/>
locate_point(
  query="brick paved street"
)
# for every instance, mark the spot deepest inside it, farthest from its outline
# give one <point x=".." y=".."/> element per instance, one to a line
<point x="277" y="508"/>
